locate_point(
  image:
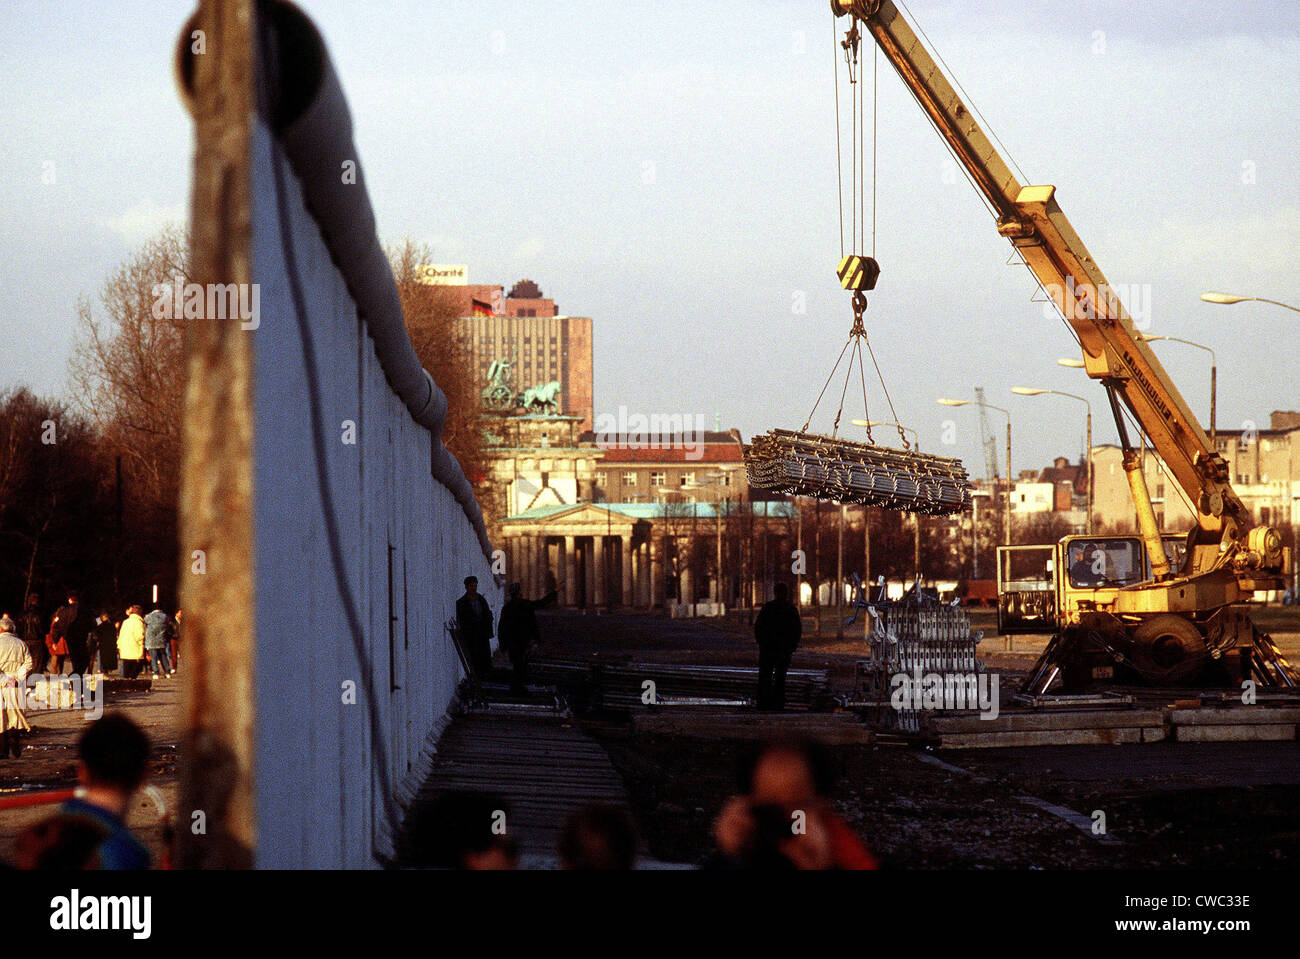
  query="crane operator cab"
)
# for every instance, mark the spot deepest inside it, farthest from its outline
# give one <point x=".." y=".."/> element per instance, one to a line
<point x="1108" y="562"/>
<point x="1030" y="593"/>
<point x="1072" y="587"/>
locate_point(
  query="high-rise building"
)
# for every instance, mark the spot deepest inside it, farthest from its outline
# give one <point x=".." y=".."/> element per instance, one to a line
<point x="527" y="330"/>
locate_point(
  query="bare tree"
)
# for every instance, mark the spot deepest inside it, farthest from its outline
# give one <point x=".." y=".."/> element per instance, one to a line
<point x="127" y="378"/>
<point x="1043" y="529"/>
<point x="433" y="323"/>
<point x="126" y="371"/>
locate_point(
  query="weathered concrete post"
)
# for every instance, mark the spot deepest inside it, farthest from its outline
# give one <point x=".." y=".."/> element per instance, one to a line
<point x="216" y="814"/>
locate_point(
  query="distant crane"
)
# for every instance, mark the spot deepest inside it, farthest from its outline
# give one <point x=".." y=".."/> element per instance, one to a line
<point x="986" y="435"/>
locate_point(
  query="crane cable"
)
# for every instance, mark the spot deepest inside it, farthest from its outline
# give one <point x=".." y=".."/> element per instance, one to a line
<point x="851" y="46"/>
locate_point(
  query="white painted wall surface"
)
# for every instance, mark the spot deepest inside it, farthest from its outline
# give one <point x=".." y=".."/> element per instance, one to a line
<point x="327" y="771"/>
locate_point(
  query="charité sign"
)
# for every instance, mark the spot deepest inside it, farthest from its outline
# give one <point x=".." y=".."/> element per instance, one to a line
<point x="442" y="274"/>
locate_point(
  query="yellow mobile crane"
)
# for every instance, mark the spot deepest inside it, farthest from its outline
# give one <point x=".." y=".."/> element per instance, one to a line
<point x="1176" y="620"/>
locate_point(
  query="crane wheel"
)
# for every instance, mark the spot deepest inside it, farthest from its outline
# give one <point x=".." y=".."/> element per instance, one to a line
<point x="1168" y="649"/>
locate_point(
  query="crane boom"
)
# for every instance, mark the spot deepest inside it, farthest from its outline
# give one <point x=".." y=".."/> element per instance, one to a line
<point x="1113" y="349"/>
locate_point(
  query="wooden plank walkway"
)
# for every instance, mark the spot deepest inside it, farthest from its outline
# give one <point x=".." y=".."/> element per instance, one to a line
<point x="543" y="768"/>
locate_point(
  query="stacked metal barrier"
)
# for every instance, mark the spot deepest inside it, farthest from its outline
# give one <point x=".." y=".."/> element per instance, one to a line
<point x="910" y="638"/>
<point x="807" y="464"/>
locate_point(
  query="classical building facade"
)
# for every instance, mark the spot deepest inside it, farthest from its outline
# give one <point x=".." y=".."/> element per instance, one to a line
<point x="536" y="460"/>
<point x="643" y="555"/>
<point x="627" y="521"/>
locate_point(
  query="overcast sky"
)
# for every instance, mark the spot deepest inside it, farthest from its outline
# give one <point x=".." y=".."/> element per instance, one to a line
<point x="668" y="168"/>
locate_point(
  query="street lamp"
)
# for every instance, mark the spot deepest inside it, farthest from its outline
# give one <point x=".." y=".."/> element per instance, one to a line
<point x="866" y="532"/>
<point x="869" y="423"/>
<point x="1030" y="391"/>
<point x="1214" y="374"/>
<point x="1227" y="299"/>
<point x="944" y="401"/>
<point x="974" y="533"/>
<point x="695" y="518"/>
<point x="722" y="473"/>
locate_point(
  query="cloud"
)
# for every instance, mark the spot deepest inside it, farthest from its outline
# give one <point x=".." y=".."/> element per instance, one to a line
<point x="529" y="249"/>
<point x="1256" y="250"/>
<point x="144" y="220"/>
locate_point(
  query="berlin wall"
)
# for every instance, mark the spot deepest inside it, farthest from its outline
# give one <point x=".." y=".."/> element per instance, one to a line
<point x="363" y="526"/>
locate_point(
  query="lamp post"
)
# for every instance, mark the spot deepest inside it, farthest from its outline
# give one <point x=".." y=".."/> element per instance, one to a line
<point x="866" y="532"/>
<point x="974" y="533"/>
<point x="695" y="519"/>
<point x="944" y="401"/>
<point x="722" y="473"/>
<point x="839" y="577"/>
<point x="661" y="497"/>
<point x="1030" y="391"/>
<point x="1227" y="299"/>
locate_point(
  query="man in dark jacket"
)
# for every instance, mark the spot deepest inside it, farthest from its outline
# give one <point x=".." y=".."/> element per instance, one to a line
<point x="78" y="637"/>
<point x="518" y="631"/>
<point x="104" y="643"/>
<point x="777" y="629"/>
<point x="474" y="623"/>
<point x="33" y="635"/>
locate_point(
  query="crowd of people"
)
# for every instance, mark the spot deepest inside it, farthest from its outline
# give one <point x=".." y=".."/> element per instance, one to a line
<point x="779" y="818"/>
<point x="77" y="640"/>
<point x="77" y="643"/>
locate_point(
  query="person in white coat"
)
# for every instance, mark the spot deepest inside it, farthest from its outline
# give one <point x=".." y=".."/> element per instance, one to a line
<point x="15" y="664"/>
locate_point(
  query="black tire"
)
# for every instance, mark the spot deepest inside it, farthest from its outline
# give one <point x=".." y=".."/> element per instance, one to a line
<point x="1168" y="650"/>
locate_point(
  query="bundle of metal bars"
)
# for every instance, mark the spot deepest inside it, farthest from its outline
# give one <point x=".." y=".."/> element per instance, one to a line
<point x="824" y="467"/>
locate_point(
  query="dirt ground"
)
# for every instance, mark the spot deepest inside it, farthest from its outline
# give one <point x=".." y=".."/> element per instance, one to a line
<point x="1164" y="804"/>
<point x="49" y="762"/>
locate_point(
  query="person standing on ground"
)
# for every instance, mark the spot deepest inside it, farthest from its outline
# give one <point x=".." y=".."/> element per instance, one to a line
<point x="518" y="632"/>
<point x="175" y="640"/>
<point x="33" y="635"/>
<point x="78" y="639"/>
<point x="474" y="622"/>
<point x="104" y="641"/>
<point x="114" y="762"/>
<point x="130" y="642"/>
<point x="57" y="643"/>
<point x="15" y="664"/>
<point x="155" y="641"/>
<point x="777" y="629"/>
